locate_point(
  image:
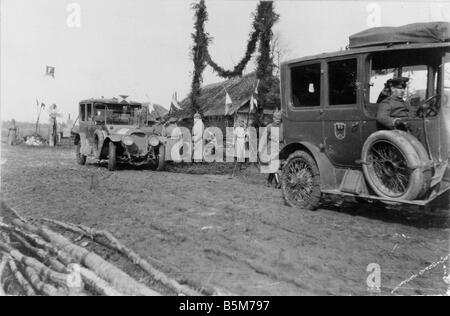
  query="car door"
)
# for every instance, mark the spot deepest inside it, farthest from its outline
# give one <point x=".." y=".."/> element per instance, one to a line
<point x="304" y="95"/>
<point x="342" y="114"/>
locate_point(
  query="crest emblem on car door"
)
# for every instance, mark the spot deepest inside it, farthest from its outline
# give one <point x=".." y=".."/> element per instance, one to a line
<point x="340" y="130"/>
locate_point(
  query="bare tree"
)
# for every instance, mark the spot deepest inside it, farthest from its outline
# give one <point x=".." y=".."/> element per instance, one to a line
<point x="280" y="50"/>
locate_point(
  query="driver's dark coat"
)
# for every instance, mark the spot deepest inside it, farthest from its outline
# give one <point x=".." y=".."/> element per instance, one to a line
<point x="390" y="109"/>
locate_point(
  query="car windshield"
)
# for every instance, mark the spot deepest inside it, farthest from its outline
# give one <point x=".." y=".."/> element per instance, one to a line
<point x="447" y="80"/>
<point x="120" y="115"/>
<point x="446" y="96"/>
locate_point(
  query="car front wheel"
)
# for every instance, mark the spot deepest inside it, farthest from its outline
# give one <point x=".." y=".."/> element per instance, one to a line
<point x="81" y="159"/>
<point x="112" y="156"/>
<point x="300" y="181"/>
<point x="161" y="159"/>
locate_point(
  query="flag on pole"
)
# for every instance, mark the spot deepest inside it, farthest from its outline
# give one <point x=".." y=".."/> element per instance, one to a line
<point x="50" y="71"/>
<point x="256" y="88"/>
<point x="227" y="98"/>
<point x="253" y="103"/>
<point x="174" y="102"/>
<point x="228" y="102"/>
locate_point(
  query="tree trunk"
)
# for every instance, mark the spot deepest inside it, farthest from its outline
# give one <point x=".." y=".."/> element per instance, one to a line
<point x="113" y="243"/>
<point x="119" y="279"/>
<point x="41" y="287"/>
<point x="23" y="283"/>
<point x="98" y="285"/>
<point x="2" y="268"/>
<point x="40" y="268"/>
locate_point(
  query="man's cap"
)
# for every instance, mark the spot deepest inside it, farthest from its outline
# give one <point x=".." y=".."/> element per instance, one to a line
<point x="399" y="82"/>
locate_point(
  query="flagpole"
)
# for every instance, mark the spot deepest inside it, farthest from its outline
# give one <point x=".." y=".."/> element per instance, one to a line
<point x="37" y="122"/>
<point x="226" y="100"/>
<point x="251" y="101"/>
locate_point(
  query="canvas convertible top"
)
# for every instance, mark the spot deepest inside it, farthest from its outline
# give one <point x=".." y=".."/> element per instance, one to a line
<point x="433" y="32"/>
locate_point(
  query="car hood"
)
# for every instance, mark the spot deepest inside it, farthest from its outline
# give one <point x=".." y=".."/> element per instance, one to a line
<point x="125" y="130"/>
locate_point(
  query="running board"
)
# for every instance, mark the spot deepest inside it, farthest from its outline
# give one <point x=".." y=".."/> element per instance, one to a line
<point x="382" y="199"/>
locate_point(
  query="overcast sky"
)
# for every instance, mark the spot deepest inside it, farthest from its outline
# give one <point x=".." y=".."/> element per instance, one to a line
<point x="141" y="47"/>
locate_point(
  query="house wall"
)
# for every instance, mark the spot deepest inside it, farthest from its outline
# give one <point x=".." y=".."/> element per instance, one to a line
<point x="268" y="118"/>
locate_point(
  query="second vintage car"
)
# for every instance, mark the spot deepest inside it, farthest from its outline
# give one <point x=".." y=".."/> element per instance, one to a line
<point x="117" y="131"/>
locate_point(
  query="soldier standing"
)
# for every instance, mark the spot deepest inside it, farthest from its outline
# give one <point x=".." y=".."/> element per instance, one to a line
<point x="12" y="133"/>
<point x="158" y="126"/>
<point x="239" y="139"/>
<point x="53" y="137"/>
<point x="197" y="137"/>
<point x="276" y="123"/>
<point x="173" y="134"/>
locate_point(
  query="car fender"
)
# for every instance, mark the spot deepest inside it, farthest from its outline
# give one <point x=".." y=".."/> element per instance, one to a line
<point x="115" y="138"/>
<point x="328" y="173"/>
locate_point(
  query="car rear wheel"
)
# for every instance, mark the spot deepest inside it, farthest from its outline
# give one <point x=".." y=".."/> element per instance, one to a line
<point x="300" y="181"/>
<point x="81" y="159"/>
<point x="112" y="156"/>
<point x="393" y="167"/>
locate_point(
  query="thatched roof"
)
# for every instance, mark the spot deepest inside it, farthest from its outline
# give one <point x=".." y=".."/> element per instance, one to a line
<point x="156" y="111"/>
<point x="212" y="98"/>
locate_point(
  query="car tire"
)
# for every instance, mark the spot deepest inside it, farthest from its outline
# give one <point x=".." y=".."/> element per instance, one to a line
<point x="112" y="156"/>
<point x="81" y="159"/>
<point x="424" y="158"/>
<point x="161" y="160"/>
<point x="393" y="165"/>
<point x="98" y="143"/>
<point x="301" y="186"/>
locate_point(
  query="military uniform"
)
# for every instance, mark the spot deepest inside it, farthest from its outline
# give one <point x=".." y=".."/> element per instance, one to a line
<point x="393" y="109"/>
<point x="12" y="134"/>
<point x="158" y="128"/>
<point x="390" y="110"/>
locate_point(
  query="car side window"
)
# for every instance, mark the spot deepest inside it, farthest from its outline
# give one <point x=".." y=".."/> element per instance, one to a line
<point x="83" y="112"/>
<point x="89" y="112"/>
<point x="342" y="76"/>
<point x="305" y="84"/>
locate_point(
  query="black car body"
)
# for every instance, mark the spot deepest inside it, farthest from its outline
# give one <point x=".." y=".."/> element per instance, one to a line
<point x="329" y="105"/>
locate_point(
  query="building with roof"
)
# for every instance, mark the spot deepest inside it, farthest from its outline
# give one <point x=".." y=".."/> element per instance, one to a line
<point x="212" y="102"/>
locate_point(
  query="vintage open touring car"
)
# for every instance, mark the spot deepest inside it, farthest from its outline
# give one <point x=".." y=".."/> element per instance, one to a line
<point x="116" y="131"/>
<point x="333" y="142"/>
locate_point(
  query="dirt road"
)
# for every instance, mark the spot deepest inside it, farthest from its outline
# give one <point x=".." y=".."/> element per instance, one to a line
<point x="235" y="234"/>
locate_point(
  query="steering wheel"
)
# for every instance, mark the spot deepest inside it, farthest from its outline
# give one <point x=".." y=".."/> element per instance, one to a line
<point x="430" y="106"/>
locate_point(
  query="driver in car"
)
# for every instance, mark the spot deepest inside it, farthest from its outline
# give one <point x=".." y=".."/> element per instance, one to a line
<point x="393" y="111"/>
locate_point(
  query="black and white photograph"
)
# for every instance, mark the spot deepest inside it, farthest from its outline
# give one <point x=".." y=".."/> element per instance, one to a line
<point x="224" y="152"/>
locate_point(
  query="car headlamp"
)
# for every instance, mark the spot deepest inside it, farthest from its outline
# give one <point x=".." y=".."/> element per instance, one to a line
<point x="153" y="141"/>
<point x="128" y="141"/>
